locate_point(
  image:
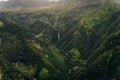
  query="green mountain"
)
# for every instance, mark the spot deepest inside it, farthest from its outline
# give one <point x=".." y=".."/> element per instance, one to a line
<point x="80" y="43"/>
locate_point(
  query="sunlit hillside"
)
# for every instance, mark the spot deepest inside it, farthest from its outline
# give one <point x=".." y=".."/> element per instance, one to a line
<point x="59" y="40"/>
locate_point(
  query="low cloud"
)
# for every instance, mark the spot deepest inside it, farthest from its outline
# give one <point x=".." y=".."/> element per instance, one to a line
<point x="4" y="0"/>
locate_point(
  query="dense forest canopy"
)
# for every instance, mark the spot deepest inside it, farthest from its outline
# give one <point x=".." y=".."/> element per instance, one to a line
<point x="81" y="42"/>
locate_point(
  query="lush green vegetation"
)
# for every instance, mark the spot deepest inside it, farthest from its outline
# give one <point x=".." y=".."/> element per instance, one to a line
<point x="80" y="44"/>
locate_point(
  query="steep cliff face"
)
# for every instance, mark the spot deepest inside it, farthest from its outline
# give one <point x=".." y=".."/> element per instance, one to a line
<point x="82" y="43"/>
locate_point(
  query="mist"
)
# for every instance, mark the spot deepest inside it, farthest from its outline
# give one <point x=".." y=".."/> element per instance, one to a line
<point x="26" y="3"/>
<point x="41" y="4"/>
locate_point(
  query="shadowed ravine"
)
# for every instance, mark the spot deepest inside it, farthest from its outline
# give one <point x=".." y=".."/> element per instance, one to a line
<point x="60" y="40"/>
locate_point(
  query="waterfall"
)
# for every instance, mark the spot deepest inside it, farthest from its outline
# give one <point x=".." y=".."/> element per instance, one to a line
<point x="58" y="35"/>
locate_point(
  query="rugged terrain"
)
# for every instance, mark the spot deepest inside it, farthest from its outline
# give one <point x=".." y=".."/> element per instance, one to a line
<point x="80" y="43"/>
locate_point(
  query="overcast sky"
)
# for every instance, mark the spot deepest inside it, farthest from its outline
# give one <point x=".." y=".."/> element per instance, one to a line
<point x="21" y="4"/>
<point x="35" y="0"/>
<point x="4" y="0"/>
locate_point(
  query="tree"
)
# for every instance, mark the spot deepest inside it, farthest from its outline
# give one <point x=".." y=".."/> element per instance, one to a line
<point x="1" y="24"/>
<point x="43" y="73"/>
